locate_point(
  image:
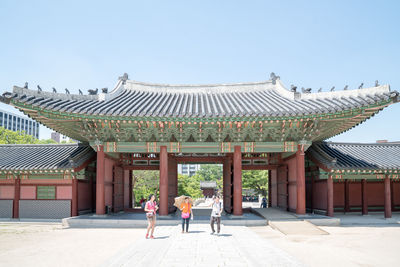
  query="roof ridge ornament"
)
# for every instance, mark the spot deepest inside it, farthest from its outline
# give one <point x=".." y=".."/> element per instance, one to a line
<point x="376" y="83"/>
<point x="124" y="78"/>
<point x="93" y="92"/>
<point x="293" y="88"/>
<point x="274" y="77"/>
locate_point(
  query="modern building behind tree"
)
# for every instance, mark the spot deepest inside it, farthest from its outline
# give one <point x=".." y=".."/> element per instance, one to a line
<point x="18" y="123"/>
<point x="59" y="138"/>
<point x="188" y="169"/>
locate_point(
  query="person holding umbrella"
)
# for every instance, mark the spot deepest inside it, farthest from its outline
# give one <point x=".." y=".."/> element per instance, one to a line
<point x="186" y="213"/>
<point x="184" y="204"/>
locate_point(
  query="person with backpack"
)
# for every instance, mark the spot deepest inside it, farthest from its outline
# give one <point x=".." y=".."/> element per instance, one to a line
<point x="216" y="214"/>
<point x="150" y="208"/>
<point x="264" y="202"/>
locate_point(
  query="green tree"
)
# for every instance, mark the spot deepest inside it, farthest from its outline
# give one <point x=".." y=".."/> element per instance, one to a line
<point x="145" y="183"/>
<point x="256" y="180"/>
<point x="11" y="137"/>
<point x="46" y="141"/>
<point x="210" y="172"/>
<point x="190" y="186"/>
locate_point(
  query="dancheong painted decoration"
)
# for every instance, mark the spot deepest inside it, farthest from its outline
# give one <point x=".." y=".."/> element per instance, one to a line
<point x="243" y="126"/>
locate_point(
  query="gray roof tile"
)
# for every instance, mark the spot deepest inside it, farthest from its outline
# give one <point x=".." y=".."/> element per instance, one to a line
<point x="242" y="100"/>
<point x="42" y="157"/>
<point x="375" y="156"/>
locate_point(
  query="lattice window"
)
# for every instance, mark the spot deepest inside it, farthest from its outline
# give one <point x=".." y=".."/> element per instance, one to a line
<point x="46" y="192"/>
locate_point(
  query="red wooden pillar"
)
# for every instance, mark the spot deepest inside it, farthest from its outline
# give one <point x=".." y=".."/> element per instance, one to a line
<point x="301" y="181"/>
<point x="91" y="192"/>
<point x="312" y="193"/>
<point x="237" y="181"/>
<point x="17" y="192"/>
<point x="172" y="182"/>
<point x="329" y="203"/>
<point x="392" y="196"/>
<point x="163" y="181"/>
<point x="269" y="189"/>
<point x="74" y="201"/>
<point x="130" y="189"/>
<point x="364" y="197"/>
<point x="346" y="196"/>
<point x="100" y="169"/>
<point x="388" y="201"/>
<point x="227" y="185"/>
<point x="175" y="177"/>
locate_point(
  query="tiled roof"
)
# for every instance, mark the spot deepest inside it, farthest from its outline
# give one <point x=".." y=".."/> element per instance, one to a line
<point x="339" y="156"/>
<point x="208" y="184"/>
<point x="258" y="99"/>
<point x="44" y="157"/>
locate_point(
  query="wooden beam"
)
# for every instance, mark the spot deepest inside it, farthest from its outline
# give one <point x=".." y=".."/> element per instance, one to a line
<point x="259" y="167"/>
<point x="141" y="168"/>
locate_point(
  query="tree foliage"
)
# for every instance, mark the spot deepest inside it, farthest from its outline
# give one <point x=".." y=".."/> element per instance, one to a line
<point x="256" y="180"/>
<point x="210" y="172"/>
<point x="145" y="183"/>
<point x="190" y="185"/>
<point x="11" y="137"/>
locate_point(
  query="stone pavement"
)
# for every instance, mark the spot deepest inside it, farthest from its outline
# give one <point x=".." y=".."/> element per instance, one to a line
<point x="372" y="219"/>
<point x="235" y="246"/>
<point x="138" y="220"/>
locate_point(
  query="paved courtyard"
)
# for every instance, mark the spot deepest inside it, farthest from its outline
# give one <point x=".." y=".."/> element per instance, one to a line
<point x="235" y="246"/>
<point x="35" y="244"/>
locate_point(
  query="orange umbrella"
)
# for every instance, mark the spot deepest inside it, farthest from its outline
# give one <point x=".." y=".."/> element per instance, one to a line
<point x="179" y="200"/>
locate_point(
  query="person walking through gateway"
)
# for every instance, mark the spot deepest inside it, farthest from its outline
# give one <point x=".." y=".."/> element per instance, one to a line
<point x="150" y="208"/>
<point x="216" y="215"/>
<point x="186" y="212"/>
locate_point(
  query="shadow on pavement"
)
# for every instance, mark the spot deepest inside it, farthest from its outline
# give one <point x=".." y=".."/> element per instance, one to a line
<point x="225" y="235"/>
<point x="161" y="237"/>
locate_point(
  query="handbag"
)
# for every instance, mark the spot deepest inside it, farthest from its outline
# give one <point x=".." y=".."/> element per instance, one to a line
<point x="185" y="215"/>
<point x="149" y="215"/>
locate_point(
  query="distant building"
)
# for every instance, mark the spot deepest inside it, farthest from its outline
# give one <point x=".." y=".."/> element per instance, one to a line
<point x="188" y="169"/>
<point x="18" y="123"/>
<point x="59" y="138"/>
<point x="209" y="188"/>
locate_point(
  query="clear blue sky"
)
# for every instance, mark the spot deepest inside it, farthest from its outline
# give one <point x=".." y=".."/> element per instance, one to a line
<point x="88" y="44"/>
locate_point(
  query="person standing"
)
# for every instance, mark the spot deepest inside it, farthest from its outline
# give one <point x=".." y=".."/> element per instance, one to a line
<point x="150" y="209"/>
<point x="186" y="212"/>
<point x="216" y="215"/>
<point x="142" y="202"/>
<point x="264" y="202"/>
